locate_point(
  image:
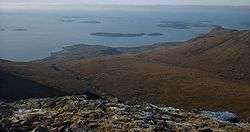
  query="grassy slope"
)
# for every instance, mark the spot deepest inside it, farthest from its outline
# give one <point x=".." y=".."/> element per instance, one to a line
<point x="224" y="52"/>
<point x="136" y="79"/>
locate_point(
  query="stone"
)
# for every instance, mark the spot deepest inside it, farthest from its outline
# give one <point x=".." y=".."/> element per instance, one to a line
<point x="248" y="120"/>
<point x="223" y="116"/>
<point x="3" y="129"/>
<point x="206" y="129"/>
<point x="16" y="130"/>
<point x="41" y="129"/>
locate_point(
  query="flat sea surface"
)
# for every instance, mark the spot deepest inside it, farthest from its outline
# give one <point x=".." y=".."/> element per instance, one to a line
<point x="32" y="34"/>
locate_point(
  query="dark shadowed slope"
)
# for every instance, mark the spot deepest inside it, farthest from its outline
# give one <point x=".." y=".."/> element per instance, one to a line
<point x="52" y="75"/>
<point x="14" y="87"/>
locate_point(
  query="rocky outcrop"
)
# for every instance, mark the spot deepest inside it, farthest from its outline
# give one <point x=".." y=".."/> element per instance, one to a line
<point x="81" y="113"/>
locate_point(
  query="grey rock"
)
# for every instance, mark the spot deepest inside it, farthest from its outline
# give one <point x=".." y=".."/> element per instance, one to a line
<point x="248" y="119"/>
<point x="223" y="116"/>
<point x="41" y="129"/>
<point x="206" y="129"/>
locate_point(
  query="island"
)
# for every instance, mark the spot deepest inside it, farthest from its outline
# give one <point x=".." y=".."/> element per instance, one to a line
<point x="184" y="25"/>
<point x="67" y="20"/>
<point x="20" y="29"/>
<point x="174" y="24"/>
<point x="103" y="34"/>
<point x="90" y="22"/>
<point x="155" y="34"/>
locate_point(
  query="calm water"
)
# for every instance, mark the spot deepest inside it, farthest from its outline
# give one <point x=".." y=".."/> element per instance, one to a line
<point x="31" y="34"/>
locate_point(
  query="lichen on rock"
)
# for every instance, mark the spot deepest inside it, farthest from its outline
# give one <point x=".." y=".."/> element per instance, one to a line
<point x="79" y="113"/>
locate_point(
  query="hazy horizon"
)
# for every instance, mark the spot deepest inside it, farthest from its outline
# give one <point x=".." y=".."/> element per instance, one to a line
<point x="73" y="6"/>
<point x="47" y="4"/>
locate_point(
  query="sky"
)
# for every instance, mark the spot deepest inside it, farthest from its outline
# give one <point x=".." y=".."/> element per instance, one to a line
<point x="54" y="4"/>
<point x="131" y="2"/>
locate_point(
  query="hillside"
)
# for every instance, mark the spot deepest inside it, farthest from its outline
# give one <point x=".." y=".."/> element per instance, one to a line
<point x="209" y="72"/>
<point x="222" y="51"/>
<point x="84" y="51"/>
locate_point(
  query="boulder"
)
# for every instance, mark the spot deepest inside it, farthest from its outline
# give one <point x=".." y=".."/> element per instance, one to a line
<point x="206" y="129"/>
<point x="248" y="120"/>
<point x="41" y="129"/>
<point x="222" y="116"/>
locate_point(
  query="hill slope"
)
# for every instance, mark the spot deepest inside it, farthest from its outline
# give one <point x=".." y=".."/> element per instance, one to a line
<point x="207" y="72"/>
<point x="222" y="51"/>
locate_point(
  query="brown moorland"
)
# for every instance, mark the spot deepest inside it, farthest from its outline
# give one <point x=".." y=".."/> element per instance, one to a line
<point x="211" y="72"/>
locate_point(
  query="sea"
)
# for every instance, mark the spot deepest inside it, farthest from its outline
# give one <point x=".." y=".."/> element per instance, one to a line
<point x="30" y="34"/>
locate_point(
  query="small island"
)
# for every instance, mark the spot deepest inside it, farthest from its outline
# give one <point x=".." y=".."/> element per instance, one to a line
<point x="174" y="24"/>
<point x="67" y="20"/>
<point x="103" y="34"/>
<point x="155" y="34"/>
<point x="20" y="29"/>
<point x="183" y="25"/>
<point x="90" y="22"/>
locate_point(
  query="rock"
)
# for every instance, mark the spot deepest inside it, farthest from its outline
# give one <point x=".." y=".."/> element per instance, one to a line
<point x="206" y="129"/>
<point x="248" y="120"/>
<point x="91" y="95"/>
<point x="80" y="130"/>
<point x="41" y="129"/>
<point x="3" y="129"/>
<point x="5" y="123"/>
<point x="222" y="116"/>
<point x="62" y="128"/>
<point x="5" y="110"/>
<point x="16" y="130"/>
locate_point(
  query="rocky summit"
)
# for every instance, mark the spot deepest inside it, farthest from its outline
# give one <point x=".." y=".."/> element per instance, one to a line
<point x="82" y="113"/>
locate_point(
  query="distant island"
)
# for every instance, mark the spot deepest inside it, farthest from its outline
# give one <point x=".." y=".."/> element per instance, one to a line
<point x="155" y="34"/>
<point x="184" y="25"/>
<point x="104" y="34"/>
<point x="20" y="29"/>
<point x="67" y="20"/>
<point x="90" y="22"/>
<point x="74" y="19"/>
